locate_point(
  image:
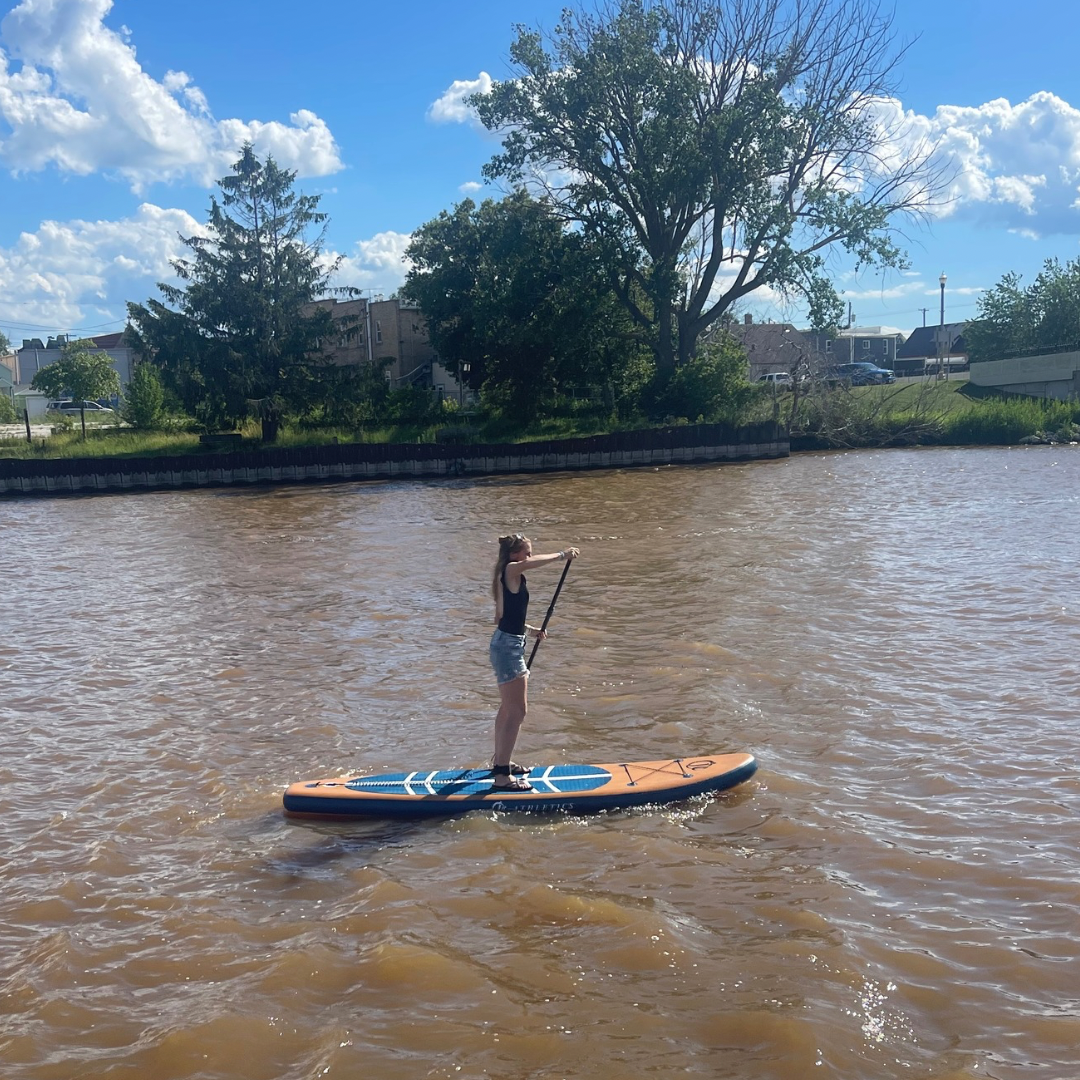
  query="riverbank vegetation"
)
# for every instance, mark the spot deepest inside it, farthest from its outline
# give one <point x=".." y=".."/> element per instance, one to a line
<point x="927" y="413"/>
<point x="919" y="413"/>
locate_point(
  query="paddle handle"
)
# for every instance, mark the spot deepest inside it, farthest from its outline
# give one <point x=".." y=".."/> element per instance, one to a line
<point x="551" y="608"/>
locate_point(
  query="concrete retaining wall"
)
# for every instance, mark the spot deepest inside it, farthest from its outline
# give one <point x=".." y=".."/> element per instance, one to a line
<point x="1053" y="376"/>
<point x="357" y="461"/>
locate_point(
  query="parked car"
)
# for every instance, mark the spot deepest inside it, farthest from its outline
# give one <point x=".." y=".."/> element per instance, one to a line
<point x="861" y="373"/>
<point x="68" y="406"/>
<point x="776" y="378"/>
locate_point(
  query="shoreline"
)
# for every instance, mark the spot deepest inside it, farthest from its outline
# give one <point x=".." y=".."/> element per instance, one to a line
<point x="685" y="445"/>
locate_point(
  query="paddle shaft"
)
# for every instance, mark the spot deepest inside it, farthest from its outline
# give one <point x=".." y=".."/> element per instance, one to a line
<point x="551" y="608"/>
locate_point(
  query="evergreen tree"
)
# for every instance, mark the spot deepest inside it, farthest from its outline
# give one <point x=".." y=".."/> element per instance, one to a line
<point x="237" y="334"/>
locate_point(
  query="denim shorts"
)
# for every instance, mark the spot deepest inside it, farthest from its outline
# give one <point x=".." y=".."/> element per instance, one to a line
<point x="507" y="652"/>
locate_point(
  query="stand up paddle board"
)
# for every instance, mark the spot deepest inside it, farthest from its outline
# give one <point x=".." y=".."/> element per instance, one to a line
<point x="556" y="789"/>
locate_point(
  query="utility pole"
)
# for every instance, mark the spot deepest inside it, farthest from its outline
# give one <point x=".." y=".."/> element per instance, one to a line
<point x="924" y="310"/>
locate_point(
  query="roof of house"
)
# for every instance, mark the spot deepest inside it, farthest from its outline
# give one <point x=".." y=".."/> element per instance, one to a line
<point x="765" y="339"/>
<point x="923" y="341"/>
<point x="107" y="341"/>
<point x="871" y="332"/>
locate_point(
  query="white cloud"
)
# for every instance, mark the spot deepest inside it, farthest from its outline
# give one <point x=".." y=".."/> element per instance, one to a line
<point x="451" y="108"/>
<point x="1016" y="166"/>
<point x="895" y="292"/>
<point x="470" y="186"/>
<point x="74" y="273"/>
<point x="79" y="99"/>
<point x="378" y="264"/>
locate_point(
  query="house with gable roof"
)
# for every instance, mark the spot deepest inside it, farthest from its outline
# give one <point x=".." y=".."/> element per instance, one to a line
<point x="919" y="354"/>
<point x="771" y="347"/>
<point x="35" y="354"/>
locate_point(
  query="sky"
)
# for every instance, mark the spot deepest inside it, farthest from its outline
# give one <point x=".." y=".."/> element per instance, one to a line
<point x="118" y="116"/>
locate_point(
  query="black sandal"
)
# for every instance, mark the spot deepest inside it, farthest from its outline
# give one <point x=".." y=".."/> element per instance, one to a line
<point x="515" y="768"/>
<point x="512" y="782"/>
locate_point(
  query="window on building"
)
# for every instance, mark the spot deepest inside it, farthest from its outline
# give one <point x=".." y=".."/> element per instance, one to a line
<point x="866" y="346"/>
<point x="828" y="345"/>
<point x="378" y="331"/>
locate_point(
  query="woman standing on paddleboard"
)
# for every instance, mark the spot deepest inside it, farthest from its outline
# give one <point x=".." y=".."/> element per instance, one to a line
<point x="507" y="650"/>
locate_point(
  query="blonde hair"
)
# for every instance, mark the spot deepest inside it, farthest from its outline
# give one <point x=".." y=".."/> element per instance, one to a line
<point x="507" y="546"/>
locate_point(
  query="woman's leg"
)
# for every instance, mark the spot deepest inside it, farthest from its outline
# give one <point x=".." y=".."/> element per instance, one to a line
<point x="513" y="706"/>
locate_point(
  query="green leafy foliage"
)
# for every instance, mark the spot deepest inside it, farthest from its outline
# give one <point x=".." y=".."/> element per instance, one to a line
<point x="144" y="401"/>
<point x="1014" y="320"/>
<point x="526" y="304"/>
<point x="711" y="386"/>
<point x="82" y="372"/>
<point x="236" y="335"/>
<point x="711" y="150"/>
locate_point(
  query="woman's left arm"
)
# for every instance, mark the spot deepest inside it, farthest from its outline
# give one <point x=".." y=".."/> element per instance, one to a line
<point x="534" y="562"/>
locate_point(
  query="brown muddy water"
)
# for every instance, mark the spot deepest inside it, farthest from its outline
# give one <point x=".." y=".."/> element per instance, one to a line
<point x="895" y="635"/>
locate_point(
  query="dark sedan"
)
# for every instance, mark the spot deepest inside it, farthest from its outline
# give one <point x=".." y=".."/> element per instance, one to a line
<point x="862" y="373"/>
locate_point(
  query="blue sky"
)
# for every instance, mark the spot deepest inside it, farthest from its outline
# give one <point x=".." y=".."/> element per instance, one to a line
<point x="116" y="117"/>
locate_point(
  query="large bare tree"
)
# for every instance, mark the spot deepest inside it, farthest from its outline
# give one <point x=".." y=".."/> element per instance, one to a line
<point x="716" y="148"/>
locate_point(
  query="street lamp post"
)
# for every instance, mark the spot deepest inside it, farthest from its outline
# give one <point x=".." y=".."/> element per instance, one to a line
<point x="942" y="373"/>
<point x="466" y="367"/>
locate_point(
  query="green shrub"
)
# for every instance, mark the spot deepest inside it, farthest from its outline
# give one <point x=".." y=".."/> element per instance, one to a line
<point x="458" y="435"/>
<point x="712" y="386"/>
<point x="144" y="401"/>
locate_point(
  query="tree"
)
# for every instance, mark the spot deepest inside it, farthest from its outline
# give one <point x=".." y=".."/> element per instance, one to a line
<point x="5" y="344"/>
<point x="508" y="291"/>
<point x="82" y="373"/>
<point x="1014" y="320"/>
<point x="239" y="334"/>
<point x="145" y="397"/>
<point x="714" y="149"/>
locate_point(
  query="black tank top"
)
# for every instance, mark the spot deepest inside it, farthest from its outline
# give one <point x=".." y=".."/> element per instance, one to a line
<point x="515" y="605"/>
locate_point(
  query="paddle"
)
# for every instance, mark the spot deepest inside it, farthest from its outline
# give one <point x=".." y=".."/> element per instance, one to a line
<point x="551" y="608"/>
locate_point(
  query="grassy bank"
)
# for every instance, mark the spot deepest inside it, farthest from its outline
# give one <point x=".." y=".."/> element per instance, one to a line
<point x="924" y="413"/>
<point x="109" y="440"/>
<point x="934" y="413"/>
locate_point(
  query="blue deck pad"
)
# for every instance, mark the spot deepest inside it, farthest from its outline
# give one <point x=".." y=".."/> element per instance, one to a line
<point x="544" y="780"/>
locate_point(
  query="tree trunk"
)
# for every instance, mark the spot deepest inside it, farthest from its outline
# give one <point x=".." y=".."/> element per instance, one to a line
<point x="271" y="422"/>
<point x="663" y="294"/>
<point x="687" y="339"/>
<point x="665" y="352"/>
